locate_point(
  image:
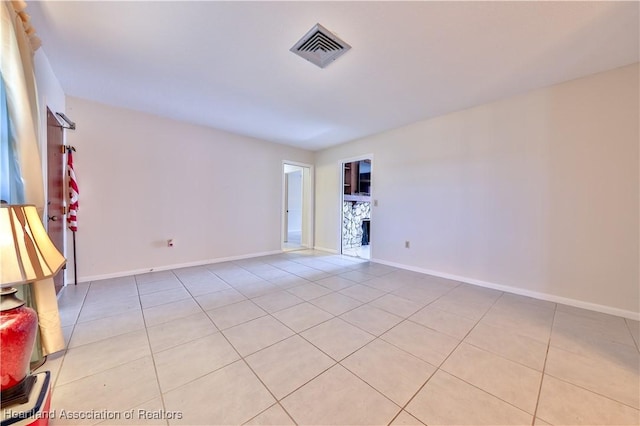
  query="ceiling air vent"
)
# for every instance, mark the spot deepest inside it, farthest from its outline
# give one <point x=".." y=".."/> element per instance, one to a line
<point x="320" y="46"/>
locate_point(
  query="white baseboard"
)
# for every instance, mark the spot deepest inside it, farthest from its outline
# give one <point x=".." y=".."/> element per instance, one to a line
<point x="522" y="292"/>
<point x="174" y="266"/>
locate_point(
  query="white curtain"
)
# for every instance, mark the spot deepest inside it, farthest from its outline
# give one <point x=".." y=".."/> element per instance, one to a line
<point x="16" y="66"/>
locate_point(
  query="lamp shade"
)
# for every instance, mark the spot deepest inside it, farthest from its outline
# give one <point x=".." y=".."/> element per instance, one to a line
<point x="26" y="252"/>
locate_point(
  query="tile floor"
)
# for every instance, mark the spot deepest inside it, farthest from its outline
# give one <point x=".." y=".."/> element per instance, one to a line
<point x="312" y="338"/>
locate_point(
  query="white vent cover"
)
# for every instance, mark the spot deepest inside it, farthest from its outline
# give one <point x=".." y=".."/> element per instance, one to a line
<point x="320" y="46"/>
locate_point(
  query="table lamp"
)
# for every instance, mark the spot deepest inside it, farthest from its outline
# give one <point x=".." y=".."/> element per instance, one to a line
<point x="26" y="255"/>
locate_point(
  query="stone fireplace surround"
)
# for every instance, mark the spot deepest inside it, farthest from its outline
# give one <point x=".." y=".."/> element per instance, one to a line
<point x="353" y="214"/>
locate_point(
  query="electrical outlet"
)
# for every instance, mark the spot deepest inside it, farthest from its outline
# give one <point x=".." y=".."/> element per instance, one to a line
<point x="407" y="244"/>
<point x="375" y="203"/>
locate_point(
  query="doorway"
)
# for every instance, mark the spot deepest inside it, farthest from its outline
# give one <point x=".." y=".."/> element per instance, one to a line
<point x="356" y="207"/>
<point x="296" y="207"/>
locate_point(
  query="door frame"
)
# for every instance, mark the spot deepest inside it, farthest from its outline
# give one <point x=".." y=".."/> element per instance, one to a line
<point x="341" y="164"/>
<point x="307" y="236"/>
<point x="285" y="214"/>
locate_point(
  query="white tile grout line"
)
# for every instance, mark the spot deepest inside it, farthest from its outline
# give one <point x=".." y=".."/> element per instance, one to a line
<point x="544" y="366"/>
<point x="153" y="358"/>
<point x="633" y="337"/>
<point x="66" y="349"/>
<point x="570" y="383"/>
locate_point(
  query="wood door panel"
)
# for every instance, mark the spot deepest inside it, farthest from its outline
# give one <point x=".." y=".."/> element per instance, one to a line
<point x="55" y="188"/>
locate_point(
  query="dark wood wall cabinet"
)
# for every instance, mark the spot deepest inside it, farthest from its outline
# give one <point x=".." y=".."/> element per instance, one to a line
<point x="357" y="181"/>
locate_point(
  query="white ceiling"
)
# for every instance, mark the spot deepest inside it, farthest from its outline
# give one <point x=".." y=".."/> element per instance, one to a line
<point x="228" y="65"/>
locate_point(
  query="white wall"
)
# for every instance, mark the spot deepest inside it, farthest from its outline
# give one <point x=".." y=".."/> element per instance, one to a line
<point x="51" y="95"/>
<point x="144" y="179"/>
<point x="538" y="193"/>
<point x="50" y="91"/>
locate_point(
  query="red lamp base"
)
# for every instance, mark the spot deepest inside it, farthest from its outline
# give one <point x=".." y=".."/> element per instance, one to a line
<point x="18" y="327"/>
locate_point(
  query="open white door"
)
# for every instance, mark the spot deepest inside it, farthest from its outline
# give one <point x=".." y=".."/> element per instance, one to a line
<point x="297" y="209"/>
